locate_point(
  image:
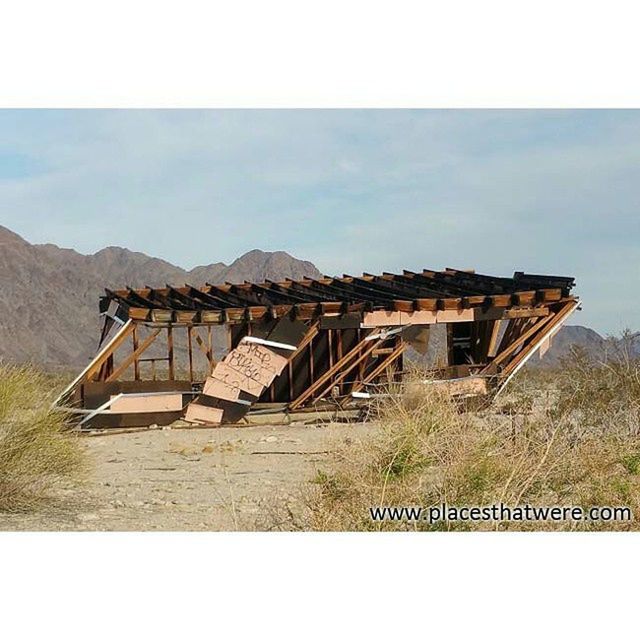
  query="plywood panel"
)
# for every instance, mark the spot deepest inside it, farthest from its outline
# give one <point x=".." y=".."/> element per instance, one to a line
<point x="203" y="414"/>
<point x="396" y="318"/>
<point x="382" y="318"/>
<point x="455" y="315"/>
<point x="147" y="404"/>
<point x="221" y="389"/>
<point x="420" y="317"/>
<point x="236" y="379"/>
<point x="246" y="363"/>
<point x="263" y="356"/>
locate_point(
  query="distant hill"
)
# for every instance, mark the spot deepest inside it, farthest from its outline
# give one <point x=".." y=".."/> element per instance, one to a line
<point x="567" y="337"/>
<point x="593" y="343"/>
<point x="49" y="295"/>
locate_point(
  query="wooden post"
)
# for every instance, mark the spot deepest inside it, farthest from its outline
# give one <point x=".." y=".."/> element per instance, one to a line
<point x="330" y="340"/>
<point x="136" y="364"/>
<point x="503" y="354"/>
<point x="382" y="366"/>
<point x="210" y="349"/>
<point x="492" y="348"/>
<point x="190" y="353"/>
<point x="108" y="366"/>
<point x="170" y="352"/>
<point x="290" y="376"/>
<point x="122" y="367"/>
<point x="341" y="368"/>
<point x="449" y="344"/>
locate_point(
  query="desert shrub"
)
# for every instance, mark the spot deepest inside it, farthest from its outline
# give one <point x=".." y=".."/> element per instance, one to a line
<point x="37" y="449"/>
<point x="426" y="452"/>
<point x="601" y="393"/>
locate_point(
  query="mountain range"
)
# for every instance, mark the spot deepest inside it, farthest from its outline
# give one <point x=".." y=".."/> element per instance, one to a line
<point x="49" y="295"/>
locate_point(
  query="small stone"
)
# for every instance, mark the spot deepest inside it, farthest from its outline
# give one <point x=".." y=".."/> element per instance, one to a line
<point x="271" y="439"/>
<point x="166" y="428"/>
<point x="208" y="448"/>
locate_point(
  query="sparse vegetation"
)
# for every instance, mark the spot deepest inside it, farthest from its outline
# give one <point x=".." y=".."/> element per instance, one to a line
<point x="569" y="437"/>
<point x="36" y="448"/>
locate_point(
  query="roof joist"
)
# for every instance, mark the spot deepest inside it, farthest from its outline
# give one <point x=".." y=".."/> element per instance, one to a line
<point x="410" y="291"/>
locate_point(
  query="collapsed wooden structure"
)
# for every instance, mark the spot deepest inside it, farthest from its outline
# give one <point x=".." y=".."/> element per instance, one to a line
<point x="301" y="345"/>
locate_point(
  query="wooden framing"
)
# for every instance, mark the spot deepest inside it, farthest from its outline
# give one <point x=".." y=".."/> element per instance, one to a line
<point x="346" y="333"/>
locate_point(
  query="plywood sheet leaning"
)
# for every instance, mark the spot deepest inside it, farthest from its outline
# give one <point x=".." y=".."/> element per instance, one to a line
<point x="239" y="380"/>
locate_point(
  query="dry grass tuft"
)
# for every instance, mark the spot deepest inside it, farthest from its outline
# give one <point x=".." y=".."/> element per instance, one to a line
<point x="570" y="438"/>
<point x="36" y="448"/>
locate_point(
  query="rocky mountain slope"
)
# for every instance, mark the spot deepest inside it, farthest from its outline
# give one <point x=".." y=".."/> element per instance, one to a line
<point x="49" y="295"/>
<point x="567" y="338"/>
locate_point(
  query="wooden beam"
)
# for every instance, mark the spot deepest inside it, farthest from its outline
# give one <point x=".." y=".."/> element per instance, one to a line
<point x="136" y="364"/>
<point x="203" y="347"/>
<point x="132" y="357"/>
<point x="384" y="318"/>
<point x="210" y="348"/>
<point x="109" y="349"/>
<point x="308" y="337"/>
<point x="190" y="347"/>
<point x="330" y="343"/>
<point x="170" y="352"/>
<point x="492" y="349"/>
<point x="324" y="378"/>
<point x="510" y="333"/>
<point x="345" y="371"/>
<point x="389" y="360"/>
<point x="504" y="354"/>
<point x="549" y="329"/>
<point x="101" y="357"/>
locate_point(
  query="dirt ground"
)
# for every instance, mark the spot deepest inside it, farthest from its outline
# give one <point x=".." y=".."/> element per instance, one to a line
<point x="177" y="479"/>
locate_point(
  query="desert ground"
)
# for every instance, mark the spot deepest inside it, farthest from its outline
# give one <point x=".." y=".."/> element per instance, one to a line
<point x="176" y="478"/>
<point x="563" y="437"/>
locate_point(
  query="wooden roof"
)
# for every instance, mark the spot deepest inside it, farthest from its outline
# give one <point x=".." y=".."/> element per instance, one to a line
<point x="425" y="290"/>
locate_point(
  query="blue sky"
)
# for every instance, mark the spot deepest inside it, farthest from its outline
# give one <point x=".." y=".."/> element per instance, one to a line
<point x="351" y="190"/>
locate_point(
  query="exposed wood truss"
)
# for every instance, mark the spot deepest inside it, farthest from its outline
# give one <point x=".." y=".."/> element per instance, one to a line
<point x="330" y="337"/>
